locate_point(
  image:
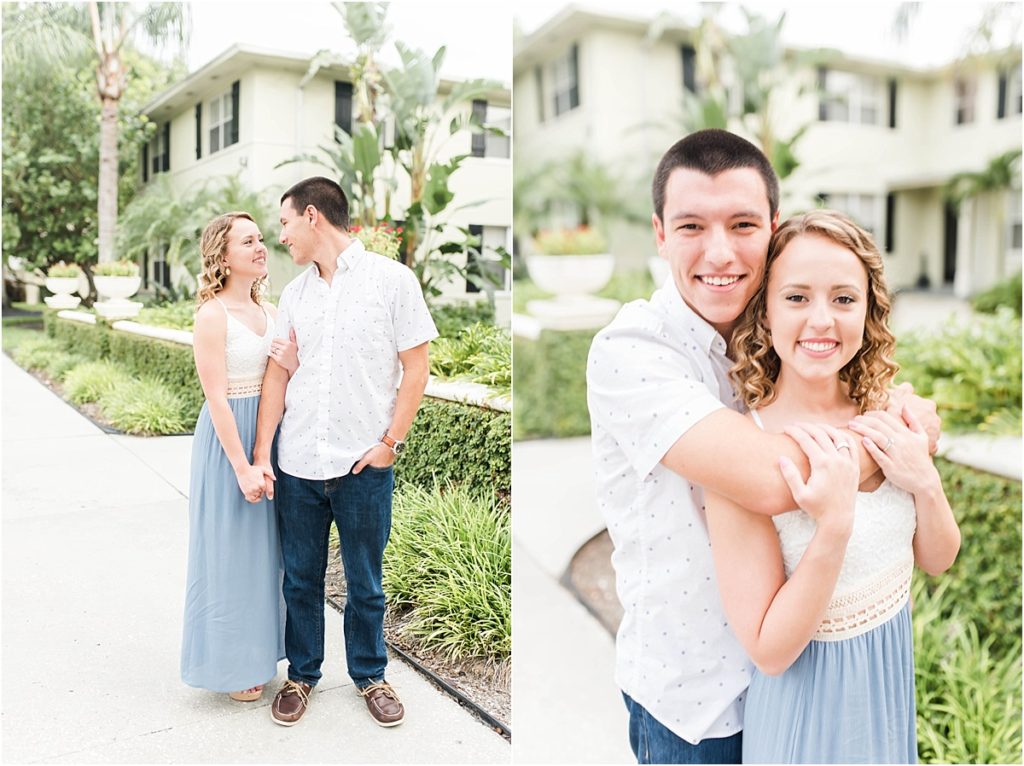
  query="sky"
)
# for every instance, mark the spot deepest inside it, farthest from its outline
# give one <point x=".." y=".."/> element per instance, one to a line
<point x="864" y="28"/>
<point x="478" y="35"/>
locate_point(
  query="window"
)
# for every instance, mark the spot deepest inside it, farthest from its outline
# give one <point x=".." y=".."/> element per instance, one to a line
<point x="487" y="144"/>
<point x="850" y="97"/>
<point x="892" y="103"/>
<point x="1013" y="201"/>
<point x="199" y="131"/>
<point x="965" y="90"/>
<point x="223" y="129"/>
<point x="890" y="222"/>
<point x="865" y="209"/>
<point x="1009" y="93"/>
<point x="689" y="68"/>
<point x="343" y="106"/>
<point x="565" y="77"/>
<point x="160" y="150"/>
<point x="491" y="238"/>
<point x="538" y="76"/>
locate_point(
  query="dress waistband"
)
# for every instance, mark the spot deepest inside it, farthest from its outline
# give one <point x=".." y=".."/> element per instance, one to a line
<point x="243" y="387"/>
<point x="859" y="611"/>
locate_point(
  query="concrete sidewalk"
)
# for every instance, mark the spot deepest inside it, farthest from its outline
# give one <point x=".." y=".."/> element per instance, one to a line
<point x="95" y="531"/>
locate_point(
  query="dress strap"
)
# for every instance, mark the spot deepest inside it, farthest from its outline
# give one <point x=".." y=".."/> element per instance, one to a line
<point x="757" y="419"/>
<point x="226" y="312"/>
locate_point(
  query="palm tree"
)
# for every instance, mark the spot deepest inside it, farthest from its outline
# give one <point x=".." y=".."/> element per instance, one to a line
<point x="40" y="36"/>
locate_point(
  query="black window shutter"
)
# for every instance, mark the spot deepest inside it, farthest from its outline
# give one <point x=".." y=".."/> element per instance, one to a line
<point x="472" y="264"/>
<point x="574" y="92"/>
<point x="689" y="68"/>
<point x="145" y="163"/>
<point x="343" y="105"/>
<point x="479" y="147"/>
<point x="199" y="131"/>
<point x="165" y="164"/>
<point x="822" y="94"/>
<point x="822" y="199"/>
<point x="890" y="221"/>
<point x="538" y="75"/>
<point x="1001" y="102"/>
<point x="234" y="112"/>
<point x="892" y="103"/>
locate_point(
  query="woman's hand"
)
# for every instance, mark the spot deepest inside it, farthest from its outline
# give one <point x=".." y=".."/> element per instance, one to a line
<point x="830" y="492"/>
<point x="900" y="447"/>
<point x="286" y="352"/>
<point x="250" y="481"/>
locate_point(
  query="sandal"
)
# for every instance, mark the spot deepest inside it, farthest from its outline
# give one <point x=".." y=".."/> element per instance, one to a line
<point x="249" y="695"/>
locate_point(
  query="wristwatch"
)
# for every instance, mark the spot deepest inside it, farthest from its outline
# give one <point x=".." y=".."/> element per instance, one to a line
<point x="396" y="445"/>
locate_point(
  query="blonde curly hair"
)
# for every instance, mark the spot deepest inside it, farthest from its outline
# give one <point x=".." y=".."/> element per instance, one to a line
<point x="870" y="372"/>
<point x="212" y="246"/>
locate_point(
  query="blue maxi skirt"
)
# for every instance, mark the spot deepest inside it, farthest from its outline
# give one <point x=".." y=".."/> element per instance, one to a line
<point x="848" y="701"/>
<point x="233" y="634"/>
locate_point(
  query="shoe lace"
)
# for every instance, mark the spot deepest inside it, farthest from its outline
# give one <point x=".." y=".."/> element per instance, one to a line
<point x="384" y="687"/>
<point x="293" y="687"/>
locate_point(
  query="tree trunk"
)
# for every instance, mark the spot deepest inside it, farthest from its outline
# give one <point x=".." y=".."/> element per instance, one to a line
<point x="107" y="193"/>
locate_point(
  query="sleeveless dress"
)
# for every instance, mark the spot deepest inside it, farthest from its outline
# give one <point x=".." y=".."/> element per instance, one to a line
<point x="849" y="697"/>
<point x="234" y="613"/>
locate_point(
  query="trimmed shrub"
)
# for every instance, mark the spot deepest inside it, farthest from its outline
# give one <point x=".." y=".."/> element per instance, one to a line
<point x="449" y="563"/>
<point x="44" y="354"/>
<point x="454" y="442"/>
<point x="550" y="377"/>
<point x="179" y="315"/>
<point x="90" y="381"/>
<point x="451" y="318"/>
<point x="145" y="407"/>
<point x="1005" y="293"/>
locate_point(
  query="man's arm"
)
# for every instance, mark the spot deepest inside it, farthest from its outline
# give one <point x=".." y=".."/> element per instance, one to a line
<point x="415" y="373"/>
<point x="729" y="455"/>
<point x="275" y="382"/>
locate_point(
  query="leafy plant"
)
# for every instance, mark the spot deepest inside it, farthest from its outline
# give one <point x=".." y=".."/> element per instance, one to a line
<point x="179" y="315"/>
<point x="1005" y="293"/>
<point x="61" y="270"/>
<point x="380" y="239"/>
<point x="146" y="406"/>
<point x="480" y="353"/>
<point x="449" y="564"/>
<point x="451" y="318"/>
<point x="582" y="240"/>
<point x="91" y="381"/>
<point x="121" y="268"/>
<point x="971" y="368"/>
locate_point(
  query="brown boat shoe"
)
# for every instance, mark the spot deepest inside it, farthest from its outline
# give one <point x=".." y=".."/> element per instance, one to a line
<point x="383" y="703"/>
<point x="291" y="703"/>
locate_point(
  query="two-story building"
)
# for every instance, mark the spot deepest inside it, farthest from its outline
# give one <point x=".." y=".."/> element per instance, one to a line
<point x="882" y="139"/>
<point x="250" y="109"/>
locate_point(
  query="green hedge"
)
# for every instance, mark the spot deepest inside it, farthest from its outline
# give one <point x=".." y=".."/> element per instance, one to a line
<point x="453" y="442"/>
<point x="550" y="384"/>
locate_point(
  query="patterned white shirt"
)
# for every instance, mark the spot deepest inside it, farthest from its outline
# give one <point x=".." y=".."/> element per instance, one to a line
<point x="653" y="373"/>
<point x="341" y="399"/>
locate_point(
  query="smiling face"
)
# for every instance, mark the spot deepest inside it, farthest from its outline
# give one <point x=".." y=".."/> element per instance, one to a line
<point x="296" y="233"/>
<point x="714" y="233"/>
<point x="245" y="254"/>
<point x="816" y="302"/>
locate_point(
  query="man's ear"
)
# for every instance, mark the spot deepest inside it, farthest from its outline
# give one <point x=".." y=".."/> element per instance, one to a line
<point x="312" y="214"/>
<point x="775" y="220"/>
<point x="659" y="231"/>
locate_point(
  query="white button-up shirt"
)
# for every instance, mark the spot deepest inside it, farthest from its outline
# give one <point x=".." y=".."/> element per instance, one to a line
<point x="653" y="373"/>
<point x="341" y="399"/>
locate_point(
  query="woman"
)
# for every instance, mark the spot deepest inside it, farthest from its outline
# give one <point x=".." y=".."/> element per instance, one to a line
<point x="819" y="597"/>
<point x="234" y="628"/>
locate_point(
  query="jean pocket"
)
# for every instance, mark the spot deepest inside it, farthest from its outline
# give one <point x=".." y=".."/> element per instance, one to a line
<point x="376" y="469"/>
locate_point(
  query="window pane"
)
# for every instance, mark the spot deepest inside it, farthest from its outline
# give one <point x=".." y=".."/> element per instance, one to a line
<point x="215" y="111"/>
<point x="214" y="139"/>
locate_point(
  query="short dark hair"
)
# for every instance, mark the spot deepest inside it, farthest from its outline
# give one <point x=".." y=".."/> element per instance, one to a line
<point x="711" y="152"/>
<point x="323" y="194"/>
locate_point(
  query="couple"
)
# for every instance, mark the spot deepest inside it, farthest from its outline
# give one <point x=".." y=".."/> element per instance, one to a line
<point x="359" y="324"/>
<point x="784" y="536"/>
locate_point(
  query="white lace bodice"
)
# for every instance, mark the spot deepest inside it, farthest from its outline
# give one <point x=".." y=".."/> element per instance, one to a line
<point x="246" y="354"/>
<point x="874" y="581"/>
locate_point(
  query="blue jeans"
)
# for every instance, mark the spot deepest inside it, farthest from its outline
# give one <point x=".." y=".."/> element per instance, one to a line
<point x="652" y="742"/>
<point x="360" y="504"/>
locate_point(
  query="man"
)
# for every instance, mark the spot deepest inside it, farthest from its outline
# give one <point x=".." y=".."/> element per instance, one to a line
<point x="666" y="422"/>
<point x="361" y="324"/>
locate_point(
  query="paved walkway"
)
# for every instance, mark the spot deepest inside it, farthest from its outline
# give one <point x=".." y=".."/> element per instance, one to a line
<point x="94" y="544"/>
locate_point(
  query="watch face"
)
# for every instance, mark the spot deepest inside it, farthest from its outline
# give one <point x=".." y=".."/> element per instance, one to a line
<point x="399" y="447"/>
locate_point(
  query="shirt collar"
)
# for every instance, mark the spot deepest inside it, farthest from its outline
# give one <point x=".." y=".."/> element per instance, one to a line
<point x="347" y="258"/>
<point x="685" y="320"/>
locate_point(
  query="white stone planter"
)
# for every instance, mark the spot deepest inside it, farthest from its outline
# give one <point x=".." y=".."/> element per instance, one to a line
<point x="63" y="289"/>
<point x="115" y="292"/>
<point x="572" y="278"/>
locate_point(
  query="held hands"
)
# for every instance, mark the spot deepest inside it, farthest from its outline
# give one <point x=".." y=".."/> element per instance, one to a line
<point x="900" y="446"/>
<point x="378" y="456"/>
<point x="829" y="493"/>
<point x="923" y="409"/>
<point x="286" y="352"/>
<point x="251" y="480"/>
<point x="268" y="477"/>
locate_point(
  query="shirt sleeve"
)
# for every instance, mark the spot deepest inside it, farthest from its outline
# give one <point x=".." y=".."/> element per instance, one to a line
<point x="412" y="321"/>
<point x="645" y="392"/>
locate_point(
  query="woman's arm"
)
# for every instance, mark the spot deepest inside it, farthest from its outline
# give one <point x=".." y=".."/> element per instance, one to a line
<point x="906" y="462"/>
<point x="209" y="336"/>
<point x="775" y="618"/>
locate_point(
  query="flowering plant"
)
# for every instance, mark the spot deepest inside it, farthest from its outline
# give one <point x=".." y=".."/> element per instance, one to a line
<point x="61" y="270"/>
<point x="380" y="239"/>
<point x="579" y="241"/>
<point x="116" y="269"/>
